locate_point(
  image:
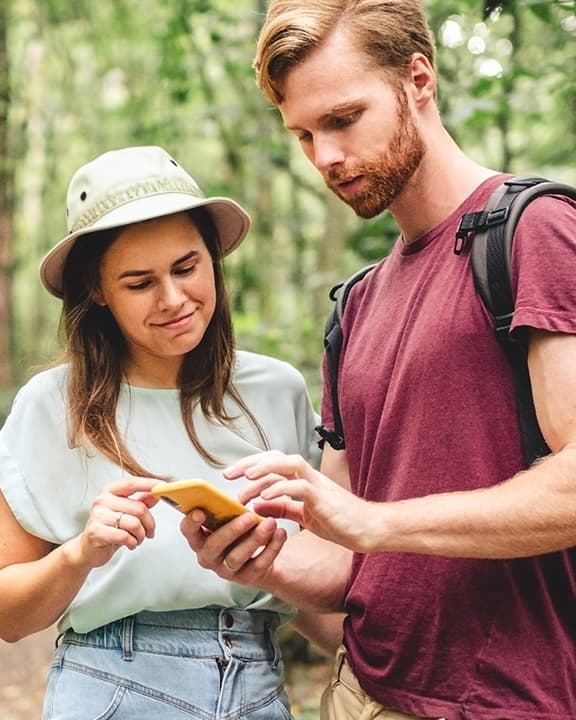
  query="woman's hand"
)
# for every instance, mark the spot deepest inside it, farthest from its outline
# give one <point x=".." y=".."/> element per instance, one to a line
<point x="242" y="550"/>
<point x="39" y="580"/>
<point x="120" y="517"/>
<point x="303" y="570"/>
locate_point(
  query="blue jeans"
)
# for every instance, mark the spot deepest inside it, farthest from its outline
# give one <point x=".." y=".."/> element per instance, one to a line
<point x="211" y="664"/>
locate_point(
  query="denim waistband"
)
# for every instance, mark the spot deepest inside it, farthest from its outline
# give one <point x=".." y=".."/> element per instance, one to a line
<point x="218" y="632"/>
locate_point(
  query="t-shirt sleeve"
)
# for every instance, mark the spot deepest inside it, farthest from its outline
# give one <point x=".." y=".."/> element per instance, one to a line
<point x="544" y="266"/>
<point x="39" y="472"/>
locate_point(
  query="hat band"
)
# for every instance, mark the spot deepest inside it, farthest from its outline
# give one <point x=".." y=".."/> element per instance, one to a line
<point x="155" y="186"/>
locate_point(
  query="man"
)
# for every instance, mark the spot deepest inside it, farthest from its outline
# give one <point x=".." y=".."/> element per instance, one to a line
<point x="453" y="561"/>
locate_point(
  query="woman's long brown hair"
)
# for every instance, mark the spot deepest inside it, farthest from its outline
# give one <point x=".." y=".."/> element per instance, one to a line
<point x="96" y="352"/>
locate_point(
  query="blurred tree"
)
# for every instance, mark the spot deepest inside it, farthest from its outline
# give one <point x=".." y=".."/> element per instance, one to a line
<point x="506" y="80"/>
<point x="6" y="208"/>
<point x="92" y="76"/>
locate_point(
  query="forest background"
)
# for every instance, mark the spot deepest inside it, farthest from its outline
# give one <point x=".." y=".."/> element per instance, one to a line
<point x="79" y="77"/>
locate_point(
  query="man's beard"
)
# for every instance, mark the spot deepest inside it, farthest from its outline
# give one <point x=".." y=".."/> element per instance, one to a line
<point x="389" y="174"/>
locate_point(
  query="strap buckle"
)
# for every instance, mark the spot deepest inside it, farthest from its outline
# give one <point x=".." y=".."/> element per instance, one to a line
<point x="474" y="222"/>
<point x="332" y="438"/>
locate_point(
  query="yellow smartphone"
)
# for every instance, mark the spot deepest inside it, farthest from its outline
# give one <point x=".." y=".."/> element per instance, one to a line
<point x="185" y="495"/>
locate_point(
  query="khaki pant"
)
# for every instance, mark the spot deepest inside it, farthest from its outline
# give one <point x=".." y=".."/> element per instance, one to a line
<point x="344" y="699"/>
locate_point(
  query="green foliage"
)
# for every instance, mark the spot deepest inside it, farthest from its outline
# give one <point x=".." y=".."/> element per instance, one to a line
<point x="506" y="78"/>
<point x="178" y="73"/>
<point x="6" y="397"/>
<point x="298" y="344"/>
<point x="374" y="239"/>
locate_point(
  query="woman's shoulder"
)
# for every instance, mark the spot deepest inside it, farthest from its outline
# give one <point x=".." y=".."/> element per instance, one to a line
<point x="251" y="366"/>
<point x="47" y="388"/>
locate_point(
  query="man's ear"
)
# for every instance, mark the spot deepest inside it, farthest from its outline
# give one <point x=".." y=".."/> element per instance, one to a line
<point x="422" y="79"/>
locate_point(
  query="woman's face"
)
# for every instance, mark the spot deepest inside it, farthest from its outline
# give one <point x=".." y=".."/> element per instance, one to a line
<point x="157" y="280"/>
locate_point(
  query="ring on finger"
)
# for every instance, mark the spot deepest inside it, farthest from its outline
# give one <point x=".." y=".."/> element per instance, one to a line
<point x="117" y="520"/>
<point x="228" y="567"/>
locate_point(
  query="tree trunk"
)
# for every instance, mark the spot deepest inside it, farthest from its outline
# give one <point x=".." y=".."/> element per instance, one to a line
<point x="6" y="209"/>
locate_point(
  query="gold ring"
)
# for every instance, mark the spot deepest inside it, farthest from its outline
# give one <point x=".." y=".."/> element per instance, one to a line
<point x="225" y="563"/>
<point x="117" y="520"/>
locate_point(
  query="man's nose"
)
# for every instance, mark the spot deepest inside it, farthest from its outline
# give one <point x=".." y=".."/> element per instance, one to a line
<point x="327" y="153"/>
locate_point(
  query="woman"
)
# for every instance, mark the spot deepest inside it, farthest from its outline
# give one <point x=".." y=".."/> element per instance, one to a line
<point x="151" y="389"/>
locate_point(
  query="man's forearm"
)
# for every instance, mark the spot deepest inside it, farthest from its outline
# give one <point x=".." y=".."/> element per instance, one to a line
<point x="533" y="513"/>
<point x="312" y="573"/>
<point x="322" y="629"/>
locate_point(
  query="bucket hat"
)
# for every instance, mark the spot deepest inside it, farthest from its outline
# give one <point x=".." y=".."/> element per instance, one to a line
<point x="129" y="185"/>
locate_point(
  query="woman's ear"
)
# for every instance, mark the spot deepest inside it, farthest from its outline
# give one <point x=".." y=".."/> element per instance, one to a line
<point x="97" y="297"/>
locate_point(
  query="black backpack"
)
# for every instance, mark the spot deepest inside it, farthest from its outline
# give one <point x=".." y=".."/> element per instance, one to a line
<point x="492" y="233"/>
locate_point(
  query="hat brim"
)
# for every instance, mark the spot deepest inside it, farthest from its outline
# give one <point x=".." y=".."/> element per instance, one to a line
<point x="231" y="220"/>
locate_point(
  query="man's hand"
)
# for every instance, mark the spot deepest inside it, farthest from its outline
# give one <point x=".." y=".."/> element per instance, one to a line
<point x="286" y="486"/>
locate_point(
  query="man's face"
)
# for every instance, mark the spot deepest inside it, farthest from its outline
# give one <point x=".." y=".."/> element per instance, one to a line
<point x="354" y="126"/>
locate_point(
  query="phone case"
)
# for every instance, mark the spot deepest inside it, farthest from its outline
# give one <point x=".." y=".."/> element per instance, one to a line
<point x="186" y="495"/>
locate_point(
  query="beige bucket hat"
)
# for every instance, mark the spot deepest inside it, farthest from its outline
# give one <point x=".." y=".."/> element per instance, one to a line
<point x="129" y="185"/>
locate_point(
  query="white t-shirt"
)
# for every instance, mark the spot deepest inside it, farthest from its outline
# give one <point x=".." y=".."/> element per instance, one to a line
<point x="50" y="486"/>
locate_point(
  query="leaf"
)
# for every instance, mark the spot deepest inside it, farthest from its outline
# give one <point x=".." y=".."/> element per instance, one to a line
<point x="543" y="11"/>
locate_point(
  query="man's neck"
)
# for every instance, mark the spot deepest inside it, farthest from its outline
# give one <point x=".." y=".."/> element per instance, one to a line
<point x="443" y="181"/>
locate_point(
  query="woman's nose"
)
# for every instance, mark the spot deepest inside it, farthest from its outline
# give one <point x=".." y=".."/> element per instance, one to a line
<point x="170" y="294"/>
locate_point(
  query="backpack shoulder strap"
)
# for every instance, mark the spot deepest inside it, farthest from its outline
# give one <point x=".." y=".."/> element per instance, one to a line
<point x="332" y="346"/>
<point x="493" y="232"/>
<point x="492" y="247"/>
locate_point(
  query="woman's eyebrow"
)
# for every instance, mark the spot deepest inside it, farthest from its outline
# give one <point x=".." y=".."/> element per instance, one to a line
<point x="186" y="257"/>
<point x="140" y="273"/>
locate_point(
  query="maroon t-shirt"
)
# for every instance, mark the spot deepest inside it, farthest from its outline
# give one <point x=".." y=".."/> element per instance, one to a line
<point x="428" y="406"/>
